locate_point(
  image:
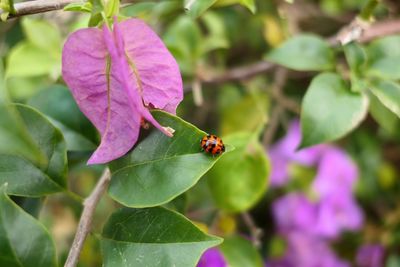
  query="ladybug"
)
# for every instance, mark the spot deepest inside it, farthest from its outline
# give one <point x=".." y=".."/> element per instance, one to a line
<point x="212" y="144"/>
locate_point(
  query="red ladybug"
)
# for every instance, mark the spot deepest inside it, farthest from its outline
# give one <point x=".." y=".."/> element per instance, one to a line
<point x="212" y="144"/>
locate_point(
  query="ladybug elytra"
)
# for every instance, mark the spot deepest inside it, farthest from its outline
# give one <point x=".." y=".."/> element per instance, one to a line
<point x="212" y="144"/>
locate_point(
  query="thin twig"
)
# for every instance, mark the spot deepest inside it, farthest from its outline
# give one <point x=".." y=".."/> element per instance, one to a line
<point x="256" y="233"/>
<point x="39" y="6"/>
<point x="85" y="222"/>
<point x="280" y="78"/>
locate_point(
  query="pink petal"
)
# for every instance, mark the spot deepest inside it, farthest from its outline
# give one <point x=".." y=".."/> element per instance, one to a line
<point x="156" y="68"/>
<point x="132" y="85"/>
<point x="84" y="70"/>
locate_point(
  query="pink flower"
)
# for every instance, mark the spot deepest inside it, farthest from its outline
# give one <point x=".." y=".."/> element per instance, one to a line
<point x="116" y="77"/>
<point x="284" y="152"/>
<point x="294" y="212"/>
<point x="338" y="213"/>
<point x="212" y="258"/>
<point x="337" y="173"/>
<point x="371" y="255"/>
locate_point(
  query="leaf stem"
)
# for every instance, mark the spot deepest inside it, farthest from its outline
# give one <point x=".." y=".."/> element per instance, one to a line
<point x="368" y="10"/>
<point x="255" y="232"/>
<point x="85" y="222"/>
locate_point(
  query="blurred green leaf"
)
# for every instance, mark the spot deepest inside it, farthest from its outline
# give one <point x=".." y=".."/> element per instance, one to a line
<point x="138" y="10"/>
<point x="22" y="237"/>
<point x="393" y="261"/>
<point x="111" y="8"/>
<point x="42" y="35"/>
<point x="386" y="119"/>
<point x="216" y="37"/>
<point x="23" y="88"/>
<point x="160" y="168"/>
<point x="196" y="8"/>
<point x="239" y="252"/>
<point x="184" y="39"/>
<point x="25" y="178"/>
<point x="330" y="110"/>
<point x="27" y="60"/>
<point x="356" y="57"/>
<point x="247" y="114"/>
<point x="384" y="58"/>
<point x="58" y="104"/>
<point x="303" y="52"/>
<point x="240" y="178"/>
<point x="14" y="137"/>
<point x="153" y="237"/>
<point x="249" y="4"/>
<point x="79" y="7"/>
<point x="389" y="94"/>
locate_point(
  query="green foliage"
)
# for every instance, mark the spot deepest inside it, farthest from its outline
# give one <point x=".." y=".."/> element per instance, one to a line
<point x="389" y="94"/>
<point x="57" y="103"/>
<point x="39" y="54"/>
<point x="14" y="136"/>
<point x="160" y="168"/>
<point x="246" y="113"/>
<point x="384" y="58"/>
<point x="239" y="252"/>
<point x="249" y="4"/>
<point x="240" y="178"/>
<point x="330" y="110"/>
<point x="26" y="178"/>
<point x="168" y="239"/>
<point x="303" y="52"/>
<point x="196" y="8"/>
<point x="22" y="237"/>
<point x="213" y="37"/>
<point x="387" y="119"/>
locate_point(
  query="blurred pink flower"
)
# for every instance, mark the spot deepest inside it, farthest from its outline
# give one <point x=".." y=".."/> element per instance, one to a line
<point x="284" y="152"/>
<point x="116" y="77"/>
<point x="294" y="212"/>
<point x="308" y="251"/>
<point x="338" y="213"/>
<point x="370" y="255"/>
<point x="337" y="173"/>
<point x="212" y="258"/>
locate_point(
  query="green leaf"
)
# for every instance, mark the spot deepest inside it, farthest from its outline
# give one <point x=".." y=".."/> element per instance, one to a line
<point x="196" y="8"/>
<point x="25" y="178"/>
<point x="249" y="4"/>
<point x="389" y="94"/>
<point x="58" y="104"/>
<point x="216" y="37"/>
<point x="247" y="114"/>
<point x="356" y="57"/>
<point x="27" y="60"/>
<point x="393" y="261"/>
<point x="111" y="8"/>
<point x="240" y="178"/>
<point x="386" y="119"/>
<point x="42" y="35"/>
<point x="160" y="168"/>
<point x="79" y="7"/>
<point x="184" y="39"/>
<point x="330" y="110"/>
<point x="14" y="137"/>
<point x="138" y="10"/>
<point x="239" y="252"/>
<point x="153" y="237"/>
<point x="303" y="52"/>
<point x="384" y="58"/>
<point x="24" y="242"/>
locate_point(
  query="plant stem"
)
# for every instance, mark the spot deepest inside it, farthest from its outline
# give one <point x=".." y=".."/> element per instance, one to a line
<point x="85" y="222"/>
<point x="368" y="10"/>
